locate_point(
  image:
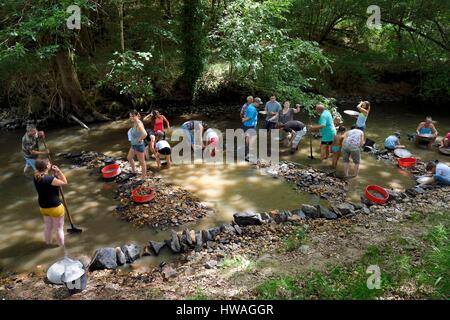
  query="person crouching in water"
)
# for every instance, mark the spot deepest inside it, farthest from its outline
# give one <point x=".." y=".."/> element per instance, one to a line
<point x="162" y="149"/>
<point x="136" y="135"/>
<point x="336" y="147"/>
<point x="296" y="131"/>
<point x="47" y="187"/>
<point x="393" y="142"/>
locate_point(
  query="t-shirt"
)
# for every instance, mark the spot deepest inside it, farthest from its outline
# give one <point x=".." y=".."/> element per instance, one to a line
<point x="210" y="134"/>
<point x="353" y="138"/>
<point x="361" y="121"/>
<point x="162" y="144"/>
<point x="443" y="170"/>
<point x="30" y="144"/>
<point x="48" y="195"/>
<point x="329" y="131"/>
<point x="244" y="108"/>
<point x="293" y="125"/>
<point x="286" y="117"/>
<point x="272" y="107"/>
<point x="251" y="113"/>
<point x="391" y="142"/>
<point x="447" y="136"/>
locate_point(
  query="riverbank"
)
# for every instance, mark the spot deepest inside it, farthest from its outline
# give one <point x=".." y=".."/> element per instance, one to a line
<point x="266" y="252"/>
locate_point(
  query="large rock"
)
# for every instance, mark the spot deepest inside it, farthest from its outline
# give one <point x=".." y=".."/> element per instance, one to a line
<point x="206" y="236"/>
<point x="214" y="232"/>
<point x="132" y="252"/>
<point x="238" y="229"/>
<point x="156" y="246"/>
<point x="168" y="272"/>
<point x="266" y="217"/>
<point x="120" y="257"/>
<point x="282" y="216"/>
<point x="174" y="242"/>
<point x="326" y="213"/>
<point x="345" y="208"/>
<point x="227" y="228"/>
<point x="198" y="241"/>
<point x="310" y="211"/>
<point x="104" y="258"/>
<point x="299" y="213"/>
<point x="186" y="237"/>
<point x="247" y="218"/>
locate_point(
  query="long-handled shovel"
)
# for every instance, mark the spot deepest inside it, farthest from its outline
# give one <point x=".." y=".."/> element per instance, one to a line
<point x="310" y="142"/>
<point x="72" y="228"/>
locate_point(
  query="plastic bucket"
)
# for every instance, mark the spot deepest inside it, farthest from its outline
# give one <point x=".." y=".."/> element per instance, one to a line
<point x="139" y="198"/>
<point x="375" y="199"/>
<point x="111" y="171"/>
<point x="407" y="162"/>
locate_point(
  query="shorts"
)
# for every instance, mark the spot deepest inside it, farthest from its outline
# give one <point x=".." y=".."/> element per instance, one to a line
<point x="138" y="147"/>
<point x="165" y="151"/>
<point x="326" y="143"/>
<point x="249" y="131"/>
<point x="335" y="149"/>
<point x="355" y="154"/>
<point x="55" y="212"/>
<point x="270" y="125"/>
<point x="30" y="163"/>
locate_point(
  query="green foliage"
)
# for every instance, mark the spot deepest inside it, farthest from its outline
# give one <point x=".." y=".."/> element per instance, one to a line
<point x="128" y="76"/>
<point x="199" y="295"/>
<point x="295" y="240"/>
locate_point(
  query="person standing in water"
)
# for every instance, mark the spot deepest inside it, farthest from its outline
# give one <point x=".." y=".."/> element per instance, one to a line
<point x="351" y="147"/>
<point x="272" y="110"/>
<point x="212" y="139"/>
<point x="336" y="147"/>
<point x="245" y="106"/>
<point x="30" y="147"/>
<point x="156" y="121"/>
<point x="136" y="136"/>
<point x="327" y="130"/>
<point x="427" y="128"/>
<point x="249" y="124"/>
<point x="51" y="208"/>
<point x="364" y="110"/>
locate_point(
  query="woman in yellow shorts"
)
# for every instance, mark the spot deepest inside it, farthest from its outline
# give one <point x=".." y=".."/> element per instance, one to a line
<point x="47" y="187"/>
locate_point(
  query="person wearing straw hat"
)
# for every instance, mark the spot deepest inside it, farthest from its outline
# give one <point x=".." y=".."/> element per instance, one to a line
<point x="427" y="128"/>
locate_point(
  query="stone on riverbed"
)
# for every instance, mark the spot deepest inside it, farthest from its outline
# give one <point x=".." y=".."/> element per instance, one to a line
<point x="174" y="242"/>
<point x="198" y="241"/>
<point x="186" y="237"/>
<point x="326" y="213"/>
<point x="214" y="232"/>
<point x="156" y="246"/>
<point x="247" y="218"/>
<point x="299" y="213"/>
<point x="345" y="208"/>
<point x="104" y="258"/>
<point x="206" y="236"/>
<point x="132" y="252"/>
<point x="238" y="229"/>
<point x="227" y="228"/>
<point x="310" y="211"/>
<point x="120" y="257"/>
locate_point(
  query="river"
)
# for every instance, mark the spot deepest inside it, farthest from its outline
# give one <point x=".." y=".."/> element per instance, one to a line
<point x="227" y="188"/>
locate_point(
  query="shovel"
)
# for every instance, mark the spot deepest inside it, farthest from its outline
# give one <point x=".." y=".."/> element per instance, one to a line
<point x="72" y="229"/>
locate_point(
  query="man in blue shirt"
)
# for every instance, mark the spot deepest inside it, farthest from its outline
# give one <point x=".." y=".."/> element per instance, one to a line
<point x="327" y="130"/>
<point x="393" y="142"/>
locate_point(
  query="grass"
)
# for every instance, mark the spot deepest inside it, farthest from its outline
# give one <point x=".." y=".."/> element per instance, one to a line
<point x="295" y="240"/>
<point x="239" y="262"/>
<point x="410" y="268"/>
<point x="198" y="295"/>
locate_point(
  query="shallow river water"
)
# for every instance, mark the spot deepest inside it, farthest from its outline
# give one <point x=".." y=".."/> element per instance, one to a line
<point x="227" y="188"/>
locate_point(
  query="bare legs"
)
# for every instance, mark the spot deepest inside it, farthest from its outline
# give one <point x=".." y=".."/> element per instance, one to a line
<point x="324" y="151"/>
<point x="141" y="158"/>
<point x="346" y="169"/>
<point x="57" y="224"/>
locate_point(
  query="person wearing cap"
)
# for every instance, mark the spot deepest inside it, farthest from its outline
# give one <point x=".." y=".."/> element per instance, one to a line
<point x="245" y="106"/>
<point x="427" y="128"/>
<point x="30" y="147"/>
<point x="393" y="142"/>
<point x="249" y="123"/>
<point x="272" y="110"/>
<point x="440" y="172"/>
<point x="162" y="149"/>
<point x="296" y="131"/>
<point x="327" y="130"/>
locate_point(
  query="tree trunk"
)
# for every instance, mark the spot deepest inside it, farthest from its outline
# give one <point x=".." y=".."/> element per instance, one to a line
<point x="71" y="87"/>
<point x="122" y="37"/>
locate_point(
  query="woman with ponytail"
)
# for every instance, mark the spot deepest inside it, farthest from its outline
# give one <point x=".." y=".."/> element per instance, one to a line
<point x="47" y="187"/>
